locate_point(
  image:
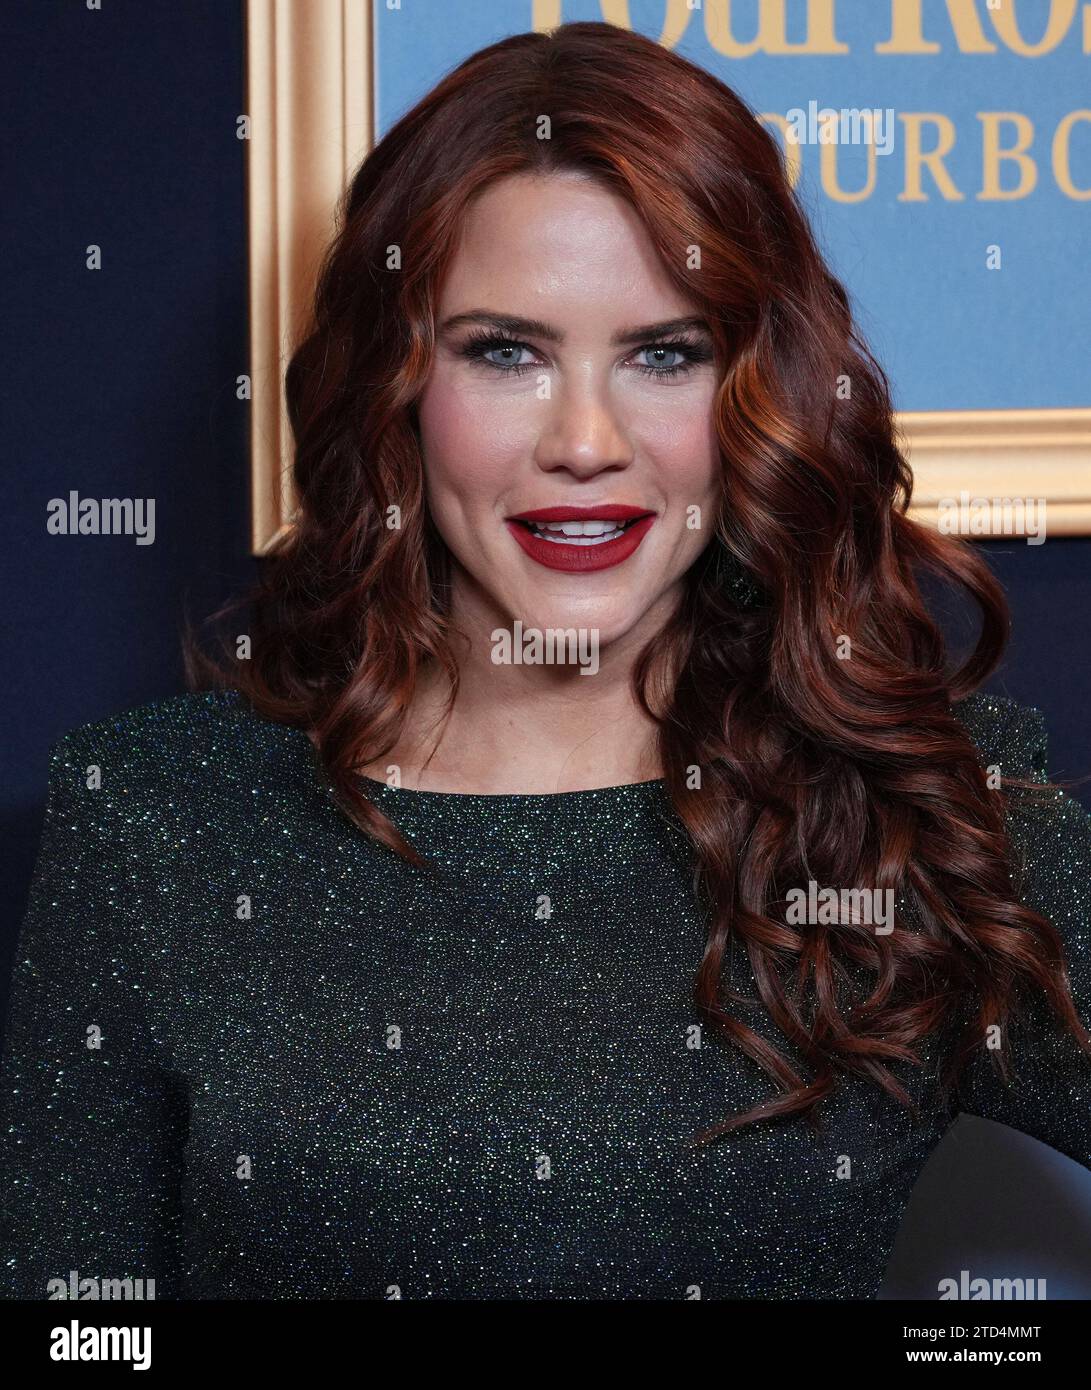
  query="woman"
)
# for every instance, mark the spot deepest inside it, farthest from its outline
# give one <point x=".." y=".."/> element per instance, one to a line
<point x="583" y="875"/>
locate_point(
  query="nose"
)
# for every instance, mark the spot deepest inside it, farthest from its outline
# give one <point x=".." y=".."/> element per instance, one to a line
<point x="582" y="433"/>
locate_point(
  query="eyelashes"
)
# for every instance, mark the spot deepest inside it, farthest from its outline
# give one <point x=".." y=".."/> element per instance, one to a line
<point x="693" y="351"/>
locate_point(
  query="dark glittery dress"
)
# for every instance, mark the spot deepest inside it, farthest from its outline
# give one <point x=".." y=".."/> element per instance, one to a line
<point x="320" y="1073"/>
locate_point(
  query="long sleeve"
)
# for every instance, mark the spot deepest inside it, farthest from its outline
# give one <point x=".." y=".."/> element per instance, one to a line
<point x="93" y="1120"/>
<point x="1050" y="1095"/>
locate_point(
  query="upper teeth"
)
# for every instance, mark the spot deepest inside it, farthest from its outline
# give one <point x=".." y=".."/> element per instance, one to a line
<point x="579" y="528"/>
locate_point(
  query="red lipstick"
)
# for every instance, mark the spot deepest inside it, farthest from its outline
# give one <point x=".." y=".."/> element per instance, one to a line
<point x="586" y="558"/>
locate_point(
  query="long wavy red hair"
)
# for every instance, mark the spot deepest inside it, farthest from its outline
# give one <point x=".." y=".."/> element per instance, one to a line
<point x="845" y="772"/>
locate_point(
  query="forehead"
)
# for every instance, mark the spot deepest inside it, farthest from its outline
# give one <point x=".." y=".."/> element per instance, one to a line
<point x="559" y="240"/>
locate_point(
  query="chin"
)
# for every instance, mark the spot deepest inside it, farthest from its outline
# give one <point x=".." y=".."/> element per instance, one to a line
<point x="604" y="621"/>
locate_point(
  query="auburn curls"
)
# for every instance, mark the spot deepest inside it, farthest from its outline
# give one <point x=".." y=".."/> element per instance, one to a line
<point x="812" y="768"/>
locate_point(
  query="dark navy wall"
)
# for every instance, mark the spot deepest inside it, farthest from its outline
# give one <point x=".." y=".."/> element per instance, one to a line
<point x="1048" y="662"/>
<point x="120" y="132"/>
<point x="119" y="382"/>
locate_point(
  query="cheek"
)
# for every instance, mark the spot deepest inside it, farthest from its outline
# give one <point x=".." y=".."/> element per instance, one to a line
<point x="468" y="439"/>
<point x="684" y="443"/>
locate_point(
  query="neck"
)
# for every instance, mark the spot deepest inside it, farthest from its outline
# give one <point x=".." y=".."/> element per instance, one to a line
<point x="526" y="726"/>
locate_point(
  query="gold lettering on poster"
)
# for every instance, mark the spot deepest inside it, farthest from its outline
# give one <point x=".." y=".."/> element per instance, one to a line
<point x="1009" y="165"/>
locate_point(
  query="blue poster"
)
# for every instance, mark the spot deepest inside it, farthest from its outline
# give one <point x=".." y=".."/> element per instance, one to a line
<point x="960" y="228"/>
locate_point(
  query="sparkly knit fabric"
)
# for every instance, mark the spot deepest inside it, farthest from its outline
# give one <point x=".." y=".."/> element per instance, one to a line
<point x="251" y="1054"/>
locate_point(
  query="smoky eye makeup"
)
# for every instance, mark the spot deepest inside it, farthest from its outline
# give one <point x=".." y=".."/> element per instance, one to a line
<point x="478" y="347"/>
<point x="499" y="353"/>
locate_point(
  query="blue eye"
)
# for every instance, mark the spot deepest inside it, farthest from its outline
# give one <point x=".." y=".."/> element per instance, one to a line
<point x="692" y="352"/>
<point x="669" y="349"/>
<point x="480" y="347"/>
<point x="505" y="363"/>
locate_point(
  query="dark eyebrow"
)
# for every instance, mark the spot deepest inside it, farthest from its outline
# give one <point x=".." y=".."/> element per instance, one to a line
<point x="535" y="328"/>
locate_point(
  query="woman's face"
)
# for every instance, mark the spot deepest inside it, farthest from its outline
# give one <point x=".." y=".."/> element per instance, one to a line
<point x="567" y="411"/>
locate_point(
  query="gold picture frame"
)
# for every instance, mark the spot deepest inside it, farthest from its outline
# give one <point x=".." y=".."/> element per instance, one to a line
<point x="309" y="100"/>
